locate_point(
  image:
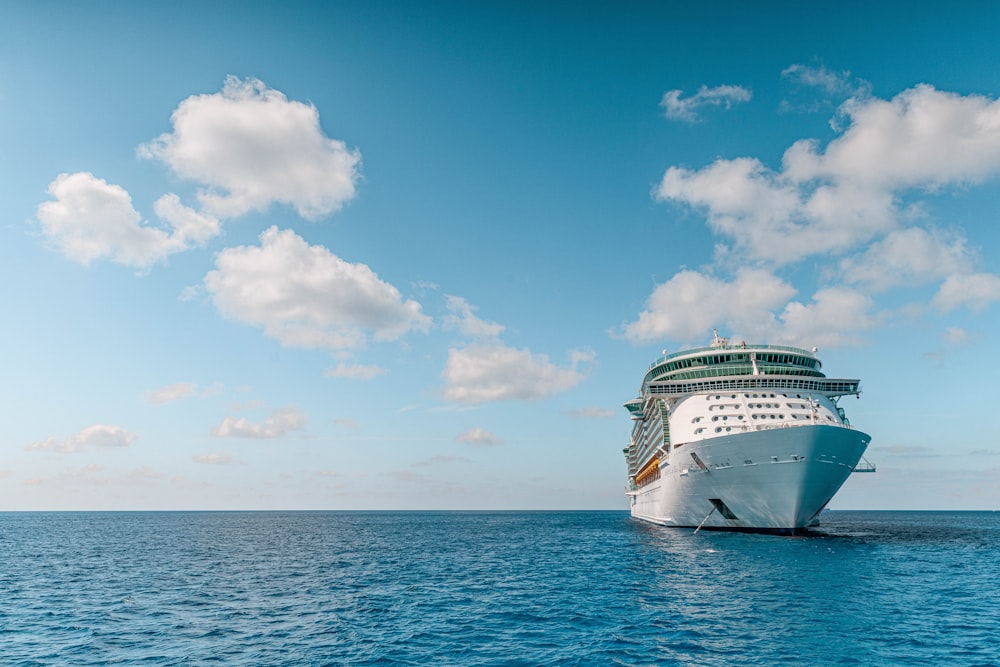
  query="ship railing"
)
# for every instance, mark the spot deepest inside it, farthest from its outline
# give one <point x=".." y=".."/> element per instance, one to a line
<point x="733" y="346"/>
<point x="864" y="465"/>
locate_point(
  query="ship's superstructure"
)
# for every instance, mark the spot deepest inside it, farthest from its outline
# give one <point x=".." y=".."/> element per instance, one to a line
<point x="744" y="437"/>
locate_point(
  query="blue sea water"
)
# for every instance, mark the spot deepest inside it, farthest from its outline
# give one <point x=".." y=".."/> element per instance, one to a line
<point x="494" y="588"/>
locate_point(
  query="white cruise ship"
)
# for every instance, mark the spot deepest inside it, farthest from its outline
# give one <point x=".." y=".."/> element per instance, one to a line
<point x="740" y="437"/>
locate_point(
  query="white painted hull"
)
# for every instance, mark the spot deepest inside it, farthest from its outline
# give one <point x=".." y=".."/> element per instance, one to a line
<point x="775" y="480"/>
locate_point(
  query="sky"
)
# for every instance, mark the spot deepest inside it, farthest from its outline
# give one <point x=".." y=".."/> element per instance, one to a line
<point x="398" y="255"/>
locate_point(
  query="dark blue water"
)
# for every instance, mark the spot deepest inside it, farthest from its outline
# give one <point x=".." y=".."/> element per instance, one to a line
<point x="494" y="588"/>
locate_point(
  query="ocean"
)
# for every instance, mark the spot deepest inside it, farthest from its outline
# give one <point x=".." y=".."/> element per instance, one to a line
<point x="494" y="588"/>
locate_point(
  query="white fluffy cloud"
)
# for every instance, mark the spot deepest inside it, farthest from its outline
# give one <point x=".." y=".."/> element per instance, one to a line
<point x="250" y="146"/>
<point x="465" y="321"/>
<point x="480" y="373"/>
<point x="478" y="437"/>
<point x="279" y="423"/>
<point x="834" y="200"/>
<point x="686" y="109"/>
<point x="690" y="304"/>
<point x="97" y="436"/>
<point x="755" y="305"/>
<point x="975" y="291"/>
<point x="92" y="219"/>
<point x="834" y="318"/>
<point x="850" y="206"/>
<point x="305" y="296"/>
<point x="907" y="257"/>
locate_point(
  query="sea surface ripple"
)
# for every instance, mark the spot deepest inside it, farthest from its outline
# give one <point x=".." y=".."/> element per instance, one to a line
<point x="494" y="588"/>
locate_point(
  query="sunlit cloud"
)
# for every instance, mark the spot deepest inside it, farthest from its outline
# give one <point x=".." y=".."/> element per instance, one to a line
<point x="481" y="373"/>
<point x="848" y="206"/>
<point x="90" y="219"/>
<point x="305" y="296"/>
<point x="249" y="146"/>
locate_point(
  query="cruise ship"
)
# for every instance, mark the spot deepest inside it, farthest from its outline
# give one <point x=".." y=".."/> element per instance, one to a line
<point x="740" y="437"/>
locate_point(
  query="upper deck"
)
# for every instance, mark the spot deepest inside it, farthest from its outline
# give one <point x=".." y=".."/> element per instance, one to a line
<point x="724" y="360"/>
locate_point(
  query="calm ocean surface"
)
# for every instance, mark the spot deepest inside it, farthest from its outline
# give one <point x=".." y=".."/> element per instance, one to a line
<point x="494" y="588"/>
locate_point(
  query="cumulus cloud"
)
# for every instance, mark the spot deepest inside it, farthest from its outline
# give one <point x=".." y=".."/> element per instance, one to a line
<point x="686" y="109"/>
<point x="98" y="436"/>
<point x="305" y="296"/>
<point x="250" y="146"/>
<point x="171" y="393"/>
<point x="478" y="437"/>
<point x="91" y="219"/>
<point x="479" y="373"/>
<point x="974" y="291"/>
<point x="834" y="318"/>
<point x="691" y="303"/>
<point x="908" y="257"/>
<point x="465" y="321"/>
<point x="278" y="424"/>
<point x="755" y="305"/>
<point x="213" y="459"/>
<point x="832" y="200"/>
<point x="852" y="206"/>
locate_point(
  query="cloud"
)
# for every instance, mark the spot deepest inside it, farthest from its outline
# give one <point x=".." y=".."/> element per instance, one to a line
<point x="249" y="146"/>
<point x="832" y="200"/>
<point x="687" y="109"/>
<point x="213" y="459"/>
<point x="91" y="219"/>
<point x="592" y="412"/>
<point x="463" y="319"/>
<point x="305" y="296"/>
<point x="908" y="257"/>
<point x="478" y="437"/>
<point x="974" y="291"/>
<point x="93" y="437"/>
<point x="480" y="373"/>
<point x="832" y="319"/>
<point x="170" y="393"/>
<point x="355" y="371"/>
<point x="690" y="304"/>
<point x="278" y="424"/>
<point x="755" y="305"/>
<point x="816" y="87"/>
<point x="955" y="337"/>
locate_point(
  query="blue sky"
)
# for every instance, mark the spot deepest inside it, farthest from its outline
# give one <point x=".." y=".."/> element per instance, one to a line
<point x="399" y="255"/>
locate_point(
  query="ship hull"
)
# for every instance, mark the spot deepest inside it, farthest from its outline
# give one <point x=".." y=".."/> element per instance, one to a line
<point x="775" y="480"/>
